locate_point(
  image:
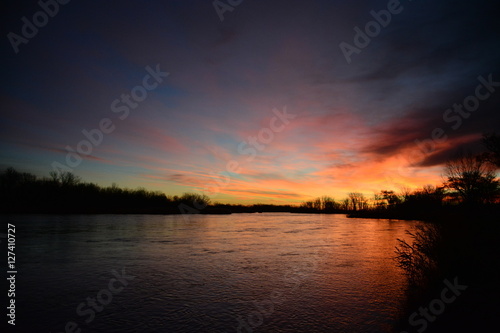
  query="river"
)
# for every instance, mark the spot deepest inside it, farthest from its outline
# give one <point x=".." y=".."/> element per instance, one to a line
<point x="267" y="272"/>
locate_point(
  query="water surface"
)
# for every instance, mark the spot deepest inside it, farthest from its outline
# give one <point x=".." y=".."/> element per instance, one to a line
<point x="270" y="272"/>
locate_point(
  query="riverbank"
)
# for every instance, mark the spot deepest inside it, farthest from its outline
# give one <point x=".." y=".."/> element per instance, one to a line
<point x="459" y="291"/>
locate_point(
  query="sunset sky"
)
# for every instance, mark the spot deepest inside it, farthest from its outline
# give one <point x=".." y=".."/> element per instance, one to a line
<point x="273" y="71"/>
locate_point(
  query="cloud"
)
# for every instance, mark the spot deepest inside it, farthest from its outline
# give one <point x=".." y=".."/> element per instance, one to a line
<point x="356" y="128"/>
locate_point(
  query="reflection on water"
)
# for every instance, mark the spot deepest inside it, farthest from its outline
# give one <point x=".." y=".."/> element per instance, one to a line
<point x="269" y="272"/>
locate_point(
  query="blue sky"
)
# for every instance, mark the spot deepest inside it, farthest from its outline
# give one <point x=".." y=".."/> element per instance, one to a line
<point x="355" y="128"/>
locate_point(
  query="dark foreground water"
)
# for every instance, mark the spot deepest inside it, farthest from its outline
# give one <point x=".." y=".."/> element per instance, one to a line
<point x="233" y="273"/>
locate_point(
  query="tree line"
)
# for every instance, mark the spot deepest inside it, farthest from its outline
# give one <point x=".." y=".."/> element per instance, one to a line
<point x="471" y="181"/>
<point x="22" y="192"/>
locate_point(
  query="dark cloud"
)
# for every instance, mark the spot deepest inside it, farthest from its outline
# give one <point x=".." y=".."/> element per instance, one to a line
<point x="226" y="77"/>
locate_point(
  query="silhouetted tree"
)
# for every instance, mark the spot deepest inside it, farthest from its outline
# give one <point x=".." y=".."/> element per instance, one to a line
<point x="404" y="193"/>
<point x="317" y="204"/>
<point x="65" y="178"/>
<point x="344" y="204"/>
<point x="198" y="201"/>
<point x="307" y="205"/>
<point x="391" y="198"/>
<point x="492" y="143"/>
<point x="427" y="198"/>
<point x="380" y="202"/>
<point x="473" y="179"/>
<point x="327" y="203"/>
<point x="320" y="204"/>
<point x="357" y="201"/>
